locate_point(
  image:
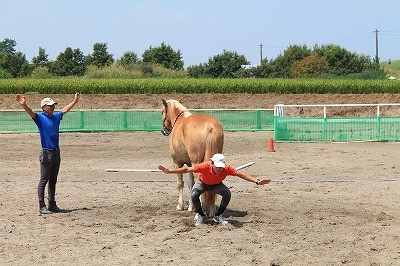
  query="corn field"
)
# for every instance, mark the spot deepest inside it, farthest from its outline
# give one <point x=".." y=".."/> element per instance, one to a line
<point x="186" y="85"/>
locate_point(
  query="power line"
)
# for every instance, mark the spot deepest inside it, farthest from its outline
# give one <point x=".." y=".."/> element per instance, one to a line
<point x="350" y="40"/>
<point x="390" y="34"/>
<point x="355" y="39"/>
<point x="390" y="31"/>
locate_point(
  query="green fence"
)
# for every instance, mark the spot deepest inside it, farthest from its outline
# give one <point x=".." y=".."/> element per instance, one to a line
<point x="335" y="129"/>
<point x="136" y="120"/>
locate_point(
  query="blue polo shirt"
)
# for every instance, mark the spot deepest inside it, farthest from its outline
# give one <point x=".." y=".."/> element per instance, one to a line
<point x="49" y="129"/>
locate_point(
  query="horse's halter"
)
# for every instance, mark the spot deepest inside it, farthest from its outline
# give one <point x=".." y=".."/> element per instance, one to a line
<point x="166" y="131"/>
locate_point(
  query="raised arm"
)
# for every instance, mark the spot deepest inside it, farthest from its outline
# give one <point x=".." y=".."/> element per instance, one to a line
<point x="69" y="106"/>
<point x="22" y="101"/>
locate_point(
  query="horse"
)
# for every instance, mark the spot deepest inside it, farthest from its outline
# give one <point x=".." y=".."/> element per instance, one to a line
<point x="194" y="138"/>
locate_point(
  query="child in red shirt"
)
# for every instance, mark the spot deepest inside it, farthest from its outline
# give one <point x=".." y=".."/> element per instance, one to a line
<point x="211" y="175"/>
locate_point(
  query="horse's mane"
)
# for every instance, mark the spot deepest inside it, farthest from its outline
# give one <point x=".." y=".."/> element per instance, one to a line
<point x="176" y="104"/>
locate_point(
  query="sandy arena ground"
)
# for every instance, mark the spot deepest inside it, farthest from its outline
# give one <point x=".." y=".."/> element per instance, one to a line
<point x="329" y="204"/>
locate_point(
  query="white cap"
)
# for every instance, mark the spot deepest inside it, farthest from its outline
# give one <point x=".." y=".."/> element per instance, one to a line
<point x="218" y="160"/>
<point x="47" y="101"/>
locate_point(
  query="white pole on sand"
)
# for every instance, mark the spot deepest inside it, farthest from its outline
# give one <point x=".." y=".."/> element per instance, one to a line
<point x="133" y="170"/>
<point x="157" y="170"/>
<point x="245" y="165"/>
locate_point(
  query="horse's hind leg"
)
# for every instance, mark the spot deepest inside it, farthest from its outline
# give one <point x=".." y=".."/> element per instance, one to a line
<point x="190" y="185"/>
<point x="180" y="206"/>
<point x="213" y="206"/>
<point x="209" y="198"/>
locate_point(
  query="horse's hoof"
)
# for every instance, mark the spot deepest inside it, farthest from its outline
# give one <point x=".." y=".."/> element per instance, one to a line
<point x="179" y="208"/>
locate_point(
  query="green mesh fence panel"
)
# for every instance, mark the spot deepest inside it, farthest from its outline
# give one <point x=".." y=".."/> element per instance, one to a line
<point x="337" y="122"/>
<point x="11" y="121"/>
<point x="134" y="120"/>
<point x="293" y="129"/>
<point x="243" y="120"/>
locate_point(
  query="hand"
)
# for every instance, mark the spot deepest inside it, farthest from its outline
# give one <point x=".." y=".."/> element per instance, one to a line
<point x="21" y="99"/>
<point x="264" y="181"/>
<point x="76" y="99"/>
<point x="163" y="168"/>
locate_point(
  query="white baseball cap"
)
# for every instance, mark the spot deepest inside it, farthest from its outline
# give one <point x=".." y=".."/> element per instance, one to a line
<point x="218" y="160"/>
<point x="47" y="101"/>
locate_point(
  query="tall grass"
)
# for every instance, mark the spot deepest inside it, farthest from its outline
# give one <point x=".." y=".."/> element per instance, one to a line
<point x="135" y="71"/>
<point x="186" y="85"/>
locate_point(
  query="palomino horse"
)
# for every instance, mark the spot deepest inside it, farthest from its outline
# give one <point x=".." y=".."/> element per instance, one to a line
<point x="195" y="138"/>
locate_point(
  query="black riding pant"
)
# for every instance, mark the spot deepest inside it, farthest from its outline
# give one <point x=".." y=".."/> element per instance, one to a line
<point x="220" y="189"/>
<point x="49" y="166"/>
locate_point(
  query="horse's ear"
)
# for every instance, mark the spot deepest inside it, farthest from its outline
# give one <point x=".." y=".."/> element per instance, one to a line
<point x="164" y="102"/>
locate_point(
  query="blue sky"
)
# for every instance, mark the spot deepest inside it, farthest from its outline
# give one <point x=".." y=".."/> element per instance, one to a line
<point x="201" y="29"/>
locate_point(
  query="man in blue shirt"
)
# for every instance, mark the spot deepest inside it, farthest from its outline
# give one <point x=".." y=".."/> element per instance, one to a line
<point x="48" y="124"/>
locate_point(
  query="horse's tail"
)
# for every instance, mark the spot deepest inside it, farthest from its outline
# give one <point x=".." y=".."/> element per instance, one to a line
<point x="214" y="144"/>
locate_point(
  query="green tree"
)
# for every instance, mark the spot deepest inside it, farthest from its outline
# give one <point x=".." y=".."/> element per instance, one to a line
<point x="282" y="65"/>
<point x="196" y="71"/>
<point x="100" y="56"/>
<point x="225" y="65"/>
<point x="41" y="59"/>
<point x="343" y="62"/>
<point x="310" y="67"/>
<point x="4" y="74"/>
<point x="19" y="66"/>
<point x="163" y="55"/>
<point x="128" y="59"/>
<point x="264" y="70"/>
<point x="8" y="46"/>
<point x="12" y="63"/>
<point x="69" y="63"/>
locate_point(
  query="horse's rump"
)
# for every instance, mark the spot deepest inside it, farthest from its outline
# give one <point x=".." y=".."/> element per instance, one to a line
<point x="203" y="137"/>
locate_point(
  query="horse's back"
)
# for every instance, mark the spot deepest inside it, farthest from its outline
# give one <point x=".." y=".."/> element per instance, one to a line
<point x="199" y="121"/>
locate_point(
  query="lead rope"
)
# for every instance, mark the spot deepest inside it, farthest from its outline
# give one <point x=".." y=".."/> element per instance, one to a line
<point x="176" y="119"/>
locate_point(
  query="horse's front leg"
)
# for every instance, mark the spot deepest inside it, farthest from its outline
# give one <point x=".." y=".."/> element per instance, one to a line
<point x="180" y="184"/>
<point x="190" y="185"/>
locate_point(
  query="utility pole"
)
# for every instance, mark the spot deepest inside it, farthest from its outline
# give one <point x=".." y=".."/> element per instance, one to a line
<point x="261" y="56"/>
<point x="376" y="46"/>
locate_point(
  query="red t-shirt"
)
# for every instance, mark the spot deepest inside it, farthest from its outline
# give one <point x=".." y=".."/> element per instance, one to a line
<point x="207" y="175"/>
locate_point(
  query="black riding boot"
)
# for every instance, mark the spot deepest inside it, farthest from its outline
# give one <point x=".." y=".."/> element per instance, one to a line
<point x="53" y="206"/>
<point x="42" y="207"/>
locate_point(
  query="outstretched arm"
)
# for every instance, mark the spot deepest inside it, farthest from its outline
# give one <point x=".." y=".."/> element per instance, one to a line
<point x="22" y="101"/>
<point x="181" y="170"/>
<point x="249" y="178"/>
<point x="69" y="106"/>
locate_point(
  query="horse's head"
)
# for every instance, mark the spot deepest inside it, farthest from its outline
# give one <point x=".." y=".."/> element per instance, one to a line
<point x="166" y="119"/>
<point x="172" y="110"/>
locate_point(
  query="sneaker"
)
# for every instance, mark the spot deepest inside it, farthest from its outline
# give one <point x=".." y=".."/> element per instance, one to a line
<point x="220" y="220"/>
<point x="200" y="219"/>
<point x="44" y="210"/>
